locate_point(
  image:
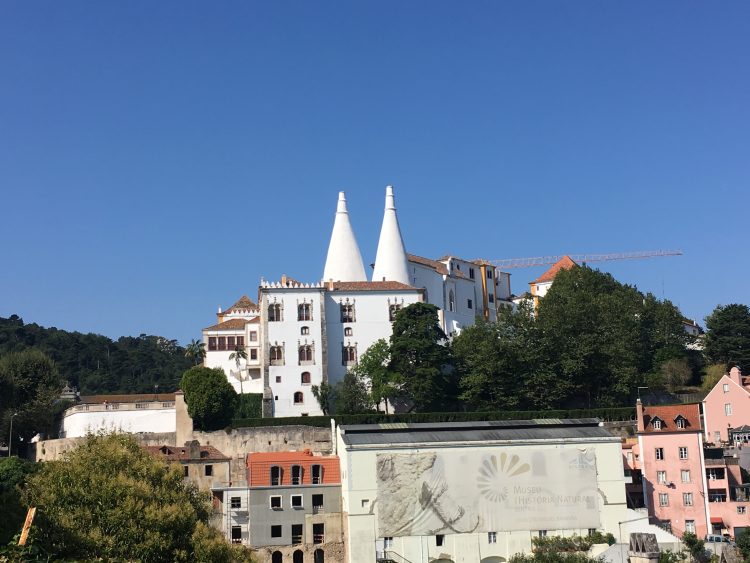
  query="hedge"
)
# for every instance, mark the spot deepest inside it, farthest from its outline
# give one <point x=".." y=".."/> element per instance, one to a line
<point x="606" y="414"/>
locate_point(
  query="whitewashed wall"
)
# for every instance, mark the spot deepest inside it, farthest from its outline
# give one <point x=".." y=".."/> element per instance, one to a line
<point x="79" y="423"/>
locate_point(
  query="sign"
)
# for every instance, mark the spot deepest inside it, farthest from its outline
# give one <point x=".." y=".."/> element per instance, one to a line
<point x="462" y="492"/>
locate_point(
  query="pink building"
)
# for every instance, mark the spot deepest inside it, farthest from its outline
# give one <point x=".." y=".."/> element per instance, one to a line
<point x="727" y="407"/>
<point x="670" y="448"/>
<point x="686" y="487"/>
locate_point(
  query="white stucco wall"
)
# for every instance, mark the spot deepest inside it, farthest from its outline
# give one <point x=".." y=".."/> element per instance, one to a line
<point x="359" y="499"/>
<point x="79" y="423"/>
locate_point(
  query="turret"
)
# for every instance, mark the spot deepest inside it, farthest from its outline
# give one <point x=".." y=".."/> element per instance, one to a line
<point x="344" y="261"/>
<point x="390" y="261"/>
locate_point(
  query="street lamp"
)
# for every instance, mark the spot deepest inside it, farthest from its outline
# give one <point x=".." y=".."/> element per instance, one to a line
<point x="10" y="437"/>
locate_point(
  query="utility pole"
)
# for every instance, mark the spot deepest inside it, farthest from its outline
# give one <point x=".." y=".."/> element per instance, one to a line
<point x="10" y="437"/>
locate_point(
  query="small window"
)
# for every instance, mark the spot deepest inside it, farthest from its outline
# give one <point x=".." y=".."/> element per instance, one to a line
<point x="209" y="470"/>
<point x="253" y="353"/>
<point x="681" y="423"/>
<point x="253" y="336"/>
<point x="319" y="533"/>
<point x="305" y="378"/>
<point x="304" y="312"/>
<point x="451" y="301"/>
<point x="317" y="503"/>
<point x="296" y="501"/>
<point x="685" y="474"/>
<point x="230" y="343"/>
<point x="275" y="476"/>
<point x="728" y="409"/>
<point x="296" y="474"/>
<point x="347" y="313"/>
<point x="275" y="312"/>
<point x="222" y="342"/>
<point x="277" y="356"/>
<point x="304" y="331"/>
<point x="659" y="453"/>
<point x="592" y="531"/>
<point x="365" y="503"/>
<point x="299" y="398"/>
<point x="439" y="539"/>
<point x="471" y="273"/>
<point x="489" y="273"/>
<point x="185" y="470"/>
<point x="275" y="531"/>
<point x="491" y="537"/>
<point x="349" y="355"/>
<point x="724" y="387"/>
<point x="683" y="453"/>
<point x="717" y="436"/>
<point x="661" y="477"/>
<point x="663" y="499"/>
<point x="235" y="502"/>
<point x="542" y="533"/>
<point x="317" y="474"/>
<point x="236" y="534"/>
<point x="656" y="424"/>
<point x="211" y="343"/>
<point x="305" y="354"/>
<point x="741" y="510"/>
<point x="275" y="502"/>
<point x="392" y="310"/>
<point x="491" y="298"/>
<point x="387" y="543"/>
<point x="687" y="499"/>
<point x="470" y="303"/>
<point x="690" y="526"/>
<point x="278" y="379"/>
<point x="348" y="331"/>
<point x="297" y="534"/>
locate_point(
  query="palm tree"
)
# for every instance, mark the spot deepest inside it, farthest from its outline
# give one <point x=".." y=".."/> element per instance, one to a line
<point x="196" y="351"/>
<point x="238" y="355"/>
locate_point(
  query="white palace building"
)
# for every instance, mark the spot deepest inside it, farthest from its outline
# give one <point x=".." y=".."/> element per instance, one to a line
<point x="301" y="334"/>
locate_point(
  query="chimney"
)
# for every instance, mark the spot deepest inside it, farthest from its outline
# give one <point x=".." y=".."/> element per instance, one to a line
<point x="330" y="285"/>
<point x="639" y="413"/>
<point x="194" y="449"/>
<point x="736" y="375"/>
<point x="283" y="279"/>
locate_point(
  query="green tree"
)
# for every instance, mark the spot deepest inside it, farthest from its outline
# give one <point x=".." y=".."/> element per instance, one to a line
<point x="110" y="499"/>
<point x="325" y="395"/>
<point x="352" y="395"/>
<point x="13" y="474"/>
<point x="239" y="355"/>
<point x="675" y="373"/>
<point x="373" y="367"/>
<point x="195" y="351"/>
<point x="743" y="543"/>
<point x="696" y="547"/>
<point x="421" y="365"/>
<point x="714" y="373"/>
<point x="210" y="398"/>
<point x="728" y="336"/>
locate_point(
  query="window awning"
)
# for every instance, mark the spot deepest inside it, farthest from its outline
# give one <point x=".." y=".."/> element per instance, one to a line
<point x="716" y="520"/>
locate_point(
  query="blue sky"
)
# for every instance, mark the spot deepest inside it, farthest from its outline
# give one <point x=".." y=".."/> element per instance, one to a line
<point x="158" y="158"/>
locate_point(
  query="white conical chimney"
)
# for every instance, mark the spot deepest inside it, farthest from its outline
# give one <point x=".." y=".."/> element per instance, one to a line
<point x="344" y="262"/>
<point x="390" y="261"/>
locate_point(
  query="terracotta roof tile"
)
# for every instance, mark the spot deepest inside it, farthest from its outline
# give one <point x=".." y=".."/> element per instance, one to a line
<point x="177" y="453"/>
<point x="137" y="398"/>
<point x="668" y="414"/>
<point x="564" y="263"/>
<point x="231" y="324"/>
<point x="243" y="303"/>
<point x="372" y="286"/>
<point x="439" y="267"/>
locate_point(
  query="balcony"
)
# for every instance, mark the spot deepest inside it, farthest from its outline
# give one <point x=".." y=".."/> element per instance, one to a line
<point x="319" y="538"/>
<point x="717" y="497"/>
<point x="318" y="509"/>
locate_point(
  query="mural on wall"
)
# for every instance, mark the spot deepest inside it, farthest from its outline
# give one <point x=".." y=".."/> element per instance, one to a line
<point x="433" y="493"/>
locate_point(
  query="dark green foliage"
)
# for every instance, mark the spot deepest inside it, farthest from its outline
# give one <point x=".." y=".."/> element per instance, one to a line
<point x="325" y="395"/>
<point x="615" y="414"/>
<point x="210" y="398"/>
<point x="603" y="337"/>
<point x="13" y="474"/>
<point x="728" y="336"/>
<point x="249" y="405"/>
<point x="743" y="543"/>
<point x="29" y="393"/>
<point x="668" y="556"/>
<point x="373" y="366"/>
<point x="97" y="364"/>
<point x="553" y="557"/>
<point x="352" y="395"/>
<point x="110" y="499"/>
<point x="696" y="547"/>
<point x="420" y="362"/>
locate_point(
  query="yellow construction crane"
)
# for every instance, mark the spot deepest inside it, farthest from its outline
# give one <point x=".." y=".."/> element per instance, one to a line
<point x="509" y="263"/>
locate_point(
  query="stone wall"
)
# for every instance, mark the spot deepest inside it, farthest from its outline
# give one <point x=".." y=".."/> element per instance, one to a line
<point x="333" y="552"/>
<point x="47" y="450"/>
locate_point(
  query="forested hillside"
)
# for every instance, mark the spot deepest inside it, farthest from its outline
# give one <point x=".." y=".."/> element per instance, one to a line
<point x="98" y="364"/>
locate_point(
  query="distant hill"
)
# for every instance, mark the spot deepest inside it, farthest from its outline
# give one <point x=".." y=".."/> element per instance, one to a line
<point x="97" y="364"/>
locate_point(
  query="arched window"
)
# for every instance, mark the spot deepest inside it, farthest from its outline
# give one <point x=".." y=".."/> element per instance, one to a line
<point x="392" y="310"/>
<point x="277" y="557"/>
<point x="296" y="474"/>
<point x="317" y="474"/>
<point x="347" y="313"/>
<point x="275" y="476"/>
<point x="451" y="301"/>
<point x="299" y="398"/>
<point x="349" y="355"/>
<point x="318" y="556"/>
<point x="305" y="354"/>
<point x="297" y="557"/>
<point x="275" y="312"/>
<point x="304" y="331"/>
<point x="304" y="312"/>
<point x="305" y="379"/>
<point x="348" y="331"/>
<point x="277" y="355"/>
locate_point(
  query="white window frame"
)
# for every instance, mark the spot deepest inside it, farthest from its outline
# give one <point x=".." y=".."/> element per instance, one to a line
<point x="656" y="424"/>
<point x="663" y="499"/>
<point x="687" y="499"/>
<point x="685" y="475"/>
<point x="741" y="510"/>
<point x="690" y="526"/>
<point x="659" y="454"/>
<point x="725" y="388"/>
<point x="661" y="477"/>
<point x="387" y="542"/>
<point x="683" y="452"/>
<point x="680" y="423"/>
<point x="491" y="537"/>
<point x="271" y="498"/>
<point x="727" y="409"/>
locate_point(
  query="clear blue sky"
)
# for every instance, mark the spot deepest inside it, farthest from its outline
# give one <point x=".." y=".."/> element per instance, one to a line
<point x="158" y="158"/>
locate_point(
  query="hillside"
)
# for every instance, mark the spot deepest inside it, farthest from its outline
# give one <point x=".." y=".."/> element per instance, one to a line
<point x="98" y="364"/>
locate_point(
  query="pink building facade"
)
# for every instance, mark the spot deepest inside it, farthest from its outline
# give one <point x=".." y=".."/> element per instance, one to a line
<point x="727" y="407"/>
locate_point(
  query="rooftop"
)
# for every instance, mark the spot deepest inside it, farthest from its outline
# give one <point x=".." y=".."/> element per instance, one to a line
<point x="480" y="431"/>
<point x="668" y="414"/>
<point x="243" y="303"/>
<point x="136" y="398"/>
<point x="372" y="286"/>
<point x="176" y="453"/>
<point x="564" y="263"/>
<point x="436" y="265"/>
<point x="231" y="324"/>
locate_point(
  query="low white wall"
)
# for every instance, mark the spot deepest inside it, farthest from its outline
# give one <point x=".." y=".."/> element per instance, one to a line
<point x="77" y="424"/>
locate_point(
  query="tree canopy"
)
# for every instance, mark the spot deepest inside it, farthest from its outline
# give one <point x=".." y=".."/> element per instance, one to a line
<point x="110" y="499"/>
<point x="728" y="336"/>
<point x="210" y="398"/>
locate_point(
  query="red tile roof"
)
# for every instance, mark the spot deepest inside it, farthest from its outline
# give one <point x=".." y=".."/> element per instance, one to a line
<point x="137" y="398"/>
<point x="439" y="267"/>
<point x="231" y="324"/>
<point x="243" y="303"/>
<point x="372" y="286"/>
<point x="564" y="263"/>
<point x="175" y="453"/>
<point x="668" y="414"/>
<point x="259" y="467"/>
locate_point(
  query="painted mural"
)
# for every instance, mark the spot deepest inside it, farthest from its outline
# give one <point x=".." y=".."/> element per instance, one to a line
<point x="434" y="493"/>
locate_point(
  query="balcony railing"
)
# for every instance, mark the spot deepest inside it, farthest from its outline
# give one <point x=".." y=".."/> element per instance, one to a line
<point x="296" y="539"/>
<point x="317" y="509"/>
<point x="717" y="498"/>
<point x="319" y="538"/>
